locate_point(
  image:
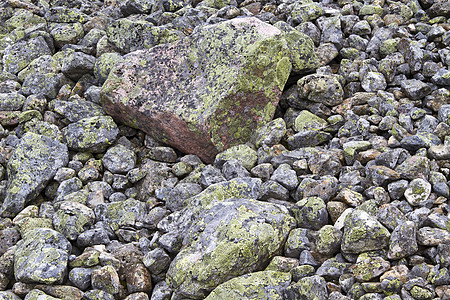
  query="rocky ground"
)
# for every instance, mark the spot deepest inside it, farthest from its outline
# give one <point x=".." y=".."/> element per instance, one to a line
<point x="343" y="195"/>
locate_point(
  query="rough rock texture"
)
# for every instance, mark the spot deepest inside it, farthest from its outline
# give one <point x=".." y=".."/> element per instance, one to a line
<point x="206" y="93"/>
<point x="33" y="163"/>
<point x="258" y="285"/>
<point x="234" y="237"/>
<point x="41" y="257"/>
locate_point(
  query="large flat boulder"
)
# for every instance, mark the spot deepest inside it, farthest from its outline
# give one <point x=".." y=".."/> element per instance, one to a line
<point x="207" y="92"/>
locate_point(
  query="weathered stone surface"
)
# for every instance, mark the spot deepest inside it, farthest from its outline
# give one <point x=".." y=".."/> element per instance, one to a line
<point x="362" y="233"/>
<point x="258" y="285"/>
<point x="33" y="163"/>
<point x="92" y="134"/>
<point x="17" y="56"/>
<point x="226" y="79"/>
<point x="231" y="238"/>
<point x="41" y="257"/>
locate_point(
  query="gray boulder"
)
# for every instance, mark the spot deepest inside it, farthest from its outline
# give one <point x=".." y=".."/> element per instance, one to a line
<point x="33" y="164"/>
<point x="41" y="257"/>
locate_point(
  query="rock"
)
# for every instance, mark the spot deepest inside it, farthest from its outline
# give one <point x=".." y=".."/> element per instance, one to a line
<point x="7" y="295"/>
<point x="233" y="169"/>
<point x="415" y="89"/>
<point x="403" y="241"/>
<point x="177" y="196"/>
<point x="66" y="33"/>
<point x="258" y="285"/>
<point x="106" y="279"/>
<point x="381" y="175"/>
<point x="81" y="277"/>
<point x="439" y="8"/>
<point x="130" y="35"/>
<point x="373" y="82"/>
<point x="367" y="268"/>
<point x="38" y="294"/>
<point x="297" y="242"/>
<point x="33" y="164"/>
<point x="273" y="190"/>
<point x="308" y="138"/>
<point x="328" y="240"/>
<point x="72" y="219"/>
<point x="432" y="236"/>
<point x="245" y="155"/>
<point x="325" y="163"/>
<point x="120" y="214"/>
<point x="285" y="176"/>
<point x="138" y="279"/>
<point x="104" y="64"/>
<point x="157" y="261"/>
<point x="332" y="269"/>
<point x="362" y="233"/>
<point x="418" y="192"/>
<point x="439" y="152"/>
<point x="76" y="64"/>
<point x="308" y="121"/>
<point x="250" y="249"/>
<point x="211" y="175"/>
<point x="164" y="154"/>
<point x="308" y="286"/>
<point x="420" y="140"/>
<point x="224" y="123"/>
<point x="119" y="159"/>
<point x="41" y="257"/>
<point x="324" y="89"/>
<point x="17" y="56"/>
<point x="414" y="167"/>
<point x="11" y="101"/>
<point x="76" y="109"/>
<point x="310" y="213"/>
<point x="325" y="188"/>
<point x="269" y="134"/>
<point x="93" y="134"/>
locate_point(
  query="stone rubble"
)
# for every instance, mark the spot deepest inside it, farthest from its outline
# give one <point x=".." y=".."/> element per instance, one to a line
<point x="235" y="149"/>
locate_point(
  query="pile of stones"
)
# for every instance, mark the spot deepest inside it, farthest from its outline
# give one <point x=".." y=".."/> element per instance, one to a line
<point x="343" y="194"/>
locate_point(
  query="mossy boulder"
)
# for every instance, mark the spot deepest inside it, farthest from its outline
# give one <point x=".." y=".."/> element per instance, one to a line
<point x="232" y="238"/>
<point x="121" y="213"/>
<point x="129" y="34"/>
<point x="72" y="219"/>
<point x="92" y="134"/>
<point x="32" y="165"/>
<point x="17" y="56"/>
<point x="208" y="92"/>
<point x="313" y="288"/>
<point x="245" y="155"/>
<point x="363" y="233"/>
<point x="41" y="257"/>
<point x="258" y="285"/>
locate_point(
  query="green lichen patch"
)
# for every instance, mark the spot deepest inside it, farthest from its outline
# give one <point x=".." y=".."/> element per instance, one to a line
<point x="232" y="238"/>
<point x="41" y="257"/>
<point x="209" y="91"/>
<point x="33" y="163"/>
<point x="362" y="233"/>
<point x="259" y="285"/>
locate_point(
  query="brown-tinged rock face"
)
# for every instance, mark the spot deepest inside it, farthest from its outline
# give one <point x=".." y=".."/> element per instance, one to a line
<point x="207" y="92"/>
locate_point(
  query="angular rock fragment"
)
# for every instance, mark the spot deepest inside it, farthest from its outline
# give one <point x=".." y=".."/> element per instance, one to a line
<point x="213" y="88"/>
<point x="32" y="165"/>
<point x="41" y="257"/>
<point x="92" y="134"/>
